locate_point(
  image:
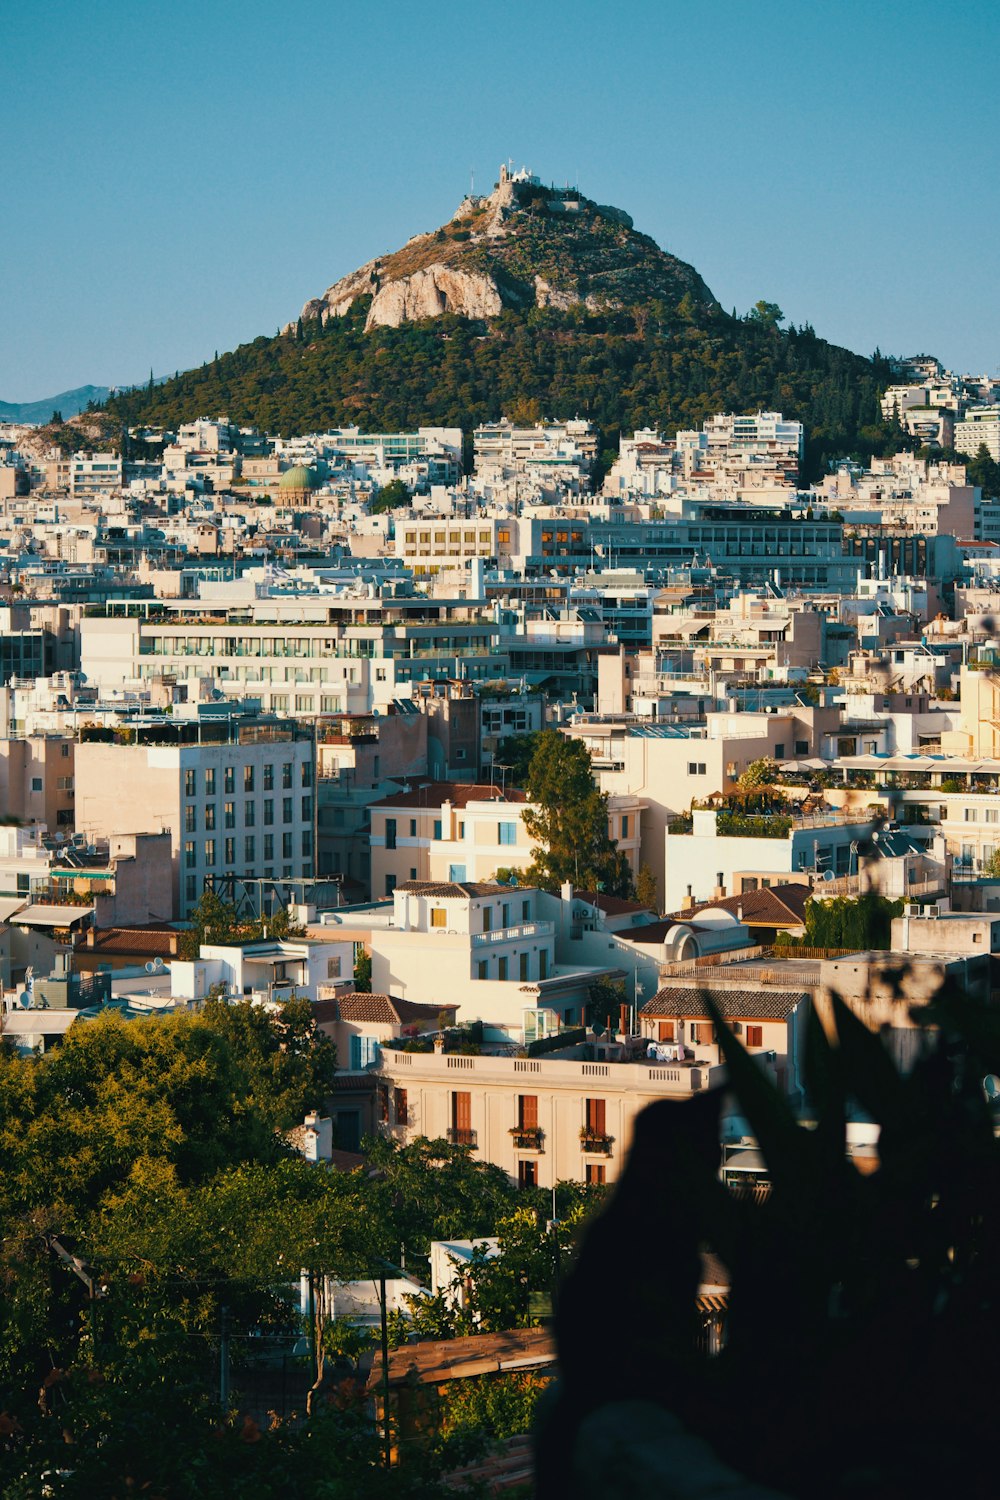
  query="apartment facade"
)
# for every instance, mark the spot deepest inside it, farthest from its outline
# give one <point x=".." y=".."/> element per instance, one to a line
<point x="543" y="1120"/>
<point x="240" y="810"/>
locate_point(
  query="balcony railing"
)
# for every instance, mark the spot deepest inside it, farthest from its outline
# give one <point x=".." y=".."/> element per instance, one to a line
<point x="595" y="1142"/>
<point x="529" y="1138"/>
<point x="461" y="1137"/>
<point x="507" y="934"/>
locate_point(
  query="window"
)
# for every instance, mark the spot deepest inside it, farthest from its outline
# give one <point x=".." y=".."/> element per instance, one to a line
<point x="597" y="1174"/>
<point x="307" y="809"/>
<point x="364" y="1051"/>
<point x="268" y="846"/>
<point x="595" y="1115"/>
<point x="527" y="1172"/>
<point x="483" y="969"/>
<point x="502" y="968"/>
<point x="249" y="849"/>
<point x="506" y="833"/>
<point x="190" y="857"/>
<point x="210" y="781"/>
<point x="624" y="825"/>
<point x="779" y="752"/>
<point x="286" y="846"/>
<point x="437" y="828"/>
<point x="248" y="778"/>
<point x="543" y="964"/>
<point x="505" y="914"/>
<point x="527" y="1111"/>
<point x="461" y="1120"/>
<point x="190" y="784"/>
<point x="333" y="968"/>
<point x="400" y="1108"/>
<point x="439" y="916"/>
<point x="249" y="815"/>
<point x="268" y="810"/>
<point x="801" y="747"/>
<point x="665" y="1031"/>
<point x="210" y="852"/>
<point x="456" y="873"/>
<point x="229" y="815"/>
<point x="307" y="843"/>
<point x="525" y="911"/>
<point x="268" y="778"/>
<point x="191" y="888"/>
<point x="696" y="768"/>
<point x="36" y="783"/>
<point x="523" y="965"/>
<point x="286" y="776"/>
<point x="307" y="773"/>
<point x="487" y="918"/>
<point x="210" y="815"/>
<point x="702" y="1032"/>
<point x="229" y="779"/>
<point x="287" y="813"/>
<point x="230" y="851"/>
<point x="390" y="833"/>
<point x="190" y="818"/>
<point x="755" y="1036"/>
<point x="390" y="884"/>
<point x="64" y="751"/>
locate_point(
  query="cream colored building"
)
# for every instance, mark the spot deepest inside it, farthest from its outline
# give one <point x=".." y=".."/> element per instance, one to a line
<point x="978" y="730"/>
<point x="483" y="949"/>
<point x="448" y="831"/>
<point x="542" y="1119"/>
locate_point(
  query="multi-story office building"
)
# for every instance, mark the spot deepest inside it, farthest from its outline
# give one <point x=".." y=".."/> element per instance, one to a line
<point x="980" y="427"/>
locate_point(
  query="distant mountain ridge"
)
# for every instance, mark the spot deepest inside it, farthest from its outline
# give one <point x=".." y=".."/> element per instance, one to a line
<point x="69" y="403"/>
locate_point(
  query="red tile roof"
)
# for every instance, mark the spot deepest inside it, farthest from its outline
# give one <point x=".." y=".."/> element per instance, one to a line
<point x="771" y="906"/>
<point x="445" y="888"/>
<point x="380" y="1010"/>
<point x="459" y="794"/>
<point x="612" y="906"/>
<point x="736" y="1005"/>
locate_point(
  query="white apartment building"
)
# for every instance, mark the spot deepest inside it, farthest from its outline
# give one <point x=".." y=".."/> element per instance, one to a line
<point x="980" y="425"/>
<point x="480" y="947"/>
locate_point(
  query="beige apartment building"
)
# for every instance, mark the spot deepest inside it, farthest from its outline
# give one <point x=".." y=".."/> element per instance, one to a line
<point x="449" y="831"/>
<point x="543" y="1120"/>
<point x="242" y="809"/>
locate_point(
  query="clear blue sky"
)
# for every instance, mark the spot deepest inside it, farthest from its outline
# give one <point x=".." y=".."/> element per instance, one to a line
<point x="179" y="177"/>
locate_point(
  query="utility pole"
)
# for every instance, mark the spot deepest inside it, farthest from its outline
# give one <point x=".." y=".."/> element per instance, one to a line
<point x="224" y="1357"/>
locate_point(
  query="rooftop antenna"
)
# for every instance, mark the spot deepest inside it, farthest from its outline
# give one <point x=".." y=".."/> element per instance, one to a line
<point x="472" y="182"/>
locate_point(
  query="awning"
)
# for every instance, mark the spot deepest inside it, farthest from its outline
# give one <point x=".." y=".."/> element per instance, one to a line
<point x="9" y="906"/>
<point x="53" y="916"/>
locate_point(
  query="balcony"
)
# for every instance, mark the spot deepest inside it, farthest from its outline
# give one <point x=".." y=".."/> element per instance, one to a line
<point x="508" y="934"/>
<point x="528" y="1138"/>
<point x="458" y="1137"/>
<point x="595" y="1142"/>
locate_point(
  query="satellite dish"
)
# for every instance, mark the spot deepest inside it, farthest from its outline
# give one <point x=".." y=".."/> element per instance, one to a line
<point x="991" y="1087"/>
<point x="150" y="967"/>
<point x="158" y="966"/>
<point x="24" y="1000"/>
<point x="828" y="875"/>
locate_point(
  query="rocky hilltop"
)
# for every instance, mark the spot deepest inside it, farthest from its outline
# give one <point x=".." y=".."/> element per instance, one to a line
<point x="525" y="245"/>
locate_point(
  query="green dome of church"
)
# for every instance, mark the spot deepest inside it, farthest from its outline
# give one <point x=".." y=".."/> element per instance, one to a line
<point x="299" y="478"/>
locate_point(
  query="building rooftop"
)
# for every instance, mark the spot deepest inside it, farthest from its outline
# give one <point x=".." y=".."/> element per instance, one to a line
<point x="376" y="1009"/>
<point x="443" y="889"/>
<point x="736" y="1004"/>
<point x="433" y="793"/>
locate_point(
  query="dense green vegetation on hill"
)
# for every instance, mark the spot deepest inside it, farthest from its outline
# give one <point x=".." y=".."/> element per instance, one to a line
<point x="650" y="365"/>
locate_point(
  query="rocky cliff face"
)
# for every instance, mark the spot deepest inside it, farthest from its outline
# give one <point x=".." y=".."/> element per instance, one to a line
<point x="523" y="245"/>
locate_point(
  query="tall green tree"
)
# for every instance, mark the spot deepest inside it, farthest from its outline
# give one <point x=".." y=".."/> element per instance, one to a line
<point x="569" y="819"/>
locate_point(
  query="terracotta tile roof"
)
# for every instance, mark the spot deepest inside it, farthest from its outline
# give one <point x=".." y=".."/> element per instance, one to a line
<point x="144" y="942"/>
<point x="446" y="888"/>
<point x="381" y="1010"/>
<point x="613" y="906"/>
<point x="736" y="1005"/>
<point x="459" y="794"/>
<point x="771" y="906"/>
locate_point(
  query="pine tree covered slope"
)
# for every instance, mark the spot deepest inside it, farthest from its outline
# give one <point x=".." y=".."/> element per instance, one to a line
<point x="651" y="348"/>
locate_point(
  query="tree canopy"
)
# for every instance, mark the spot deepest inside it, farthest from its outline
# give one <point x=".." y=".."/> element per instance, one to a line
<point x="569" y="818"/>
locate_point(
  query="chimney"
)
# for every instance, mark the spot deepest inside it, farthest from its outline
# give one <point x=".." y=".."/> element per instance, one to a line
<point x="623" y="1019"/>
<point x="438" y="1045"/>
<point x="739" y="912"/>
<point x="566" y="891"/>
